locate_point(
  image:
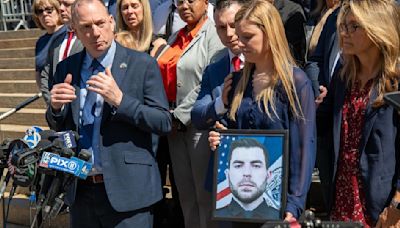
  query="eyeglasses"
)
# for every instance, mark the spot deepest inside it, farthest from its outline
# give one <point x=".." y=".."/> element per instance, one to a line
<point x="189" y="2"/>
<point x="48" y="10"/>
<point x="351" y="28"/>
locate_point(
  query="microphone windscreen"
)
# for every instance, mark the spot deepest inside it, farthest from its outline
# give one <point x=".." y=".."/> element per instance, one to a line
<point x="48" y="134"/>
<point x="85" y="155"/>
<point x="43" y="144"/>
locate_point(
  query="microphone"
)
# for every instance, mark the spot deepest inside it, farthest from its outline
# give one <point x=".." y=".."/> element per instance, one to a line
<point x="32" y="136"/>
<point x="83" y="156"/>
<point x="69" y="138"/>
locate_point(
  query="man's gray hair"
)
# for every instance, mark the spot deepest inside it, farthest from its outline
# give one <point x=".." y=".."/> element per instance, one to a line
<point x="77" y="3"/>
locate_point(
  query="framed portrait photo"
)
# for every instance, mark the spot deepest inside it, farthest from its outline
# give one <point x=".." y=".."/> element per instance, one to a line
<point x="251" y="175"/>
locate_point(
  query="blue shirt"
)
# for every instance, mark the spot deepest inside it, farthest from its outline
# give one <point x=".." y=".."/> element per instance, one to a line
<point x="105" y="60"/>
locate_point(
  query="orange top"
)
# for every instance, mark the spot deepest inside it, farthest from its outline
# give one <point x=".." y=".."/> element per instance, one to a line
<point x="169" y="59"/>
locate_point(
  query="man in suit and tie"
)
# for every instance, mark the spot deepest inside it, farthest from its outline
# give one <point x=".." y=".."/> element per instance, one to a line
<point x="63" y="46"/>
<point x="114" y="98"/>
<point x="209" y="106"/>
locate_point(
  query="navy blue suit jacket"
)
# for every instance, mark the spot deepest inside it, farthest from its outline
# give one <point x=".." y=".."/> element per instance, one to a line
<point x="320" y="63"/>
<point x="131" y="175"/>
<point x="203" y="114"/>
<point x="379" y="146"/>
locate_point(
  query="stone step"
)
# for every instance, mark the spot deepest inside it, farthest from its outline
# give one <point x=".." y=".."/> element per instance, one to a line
<point x="21" y="214"/>
<point x="17" y="74"/>
<point x="18" y="86"/>
<point x="10" y="100"/>
<point x="21" y="34"/>
<point x="15" y="131"/>
<point x="17" y="63"/>
<point x="17" y="52"/>
<point x="18" y="43"/>
<point x="26" y="116"/>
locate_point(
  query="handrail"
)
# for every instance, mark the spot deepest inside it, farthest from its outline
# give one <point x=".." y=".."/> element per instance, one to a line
<point x="20" y="105"/>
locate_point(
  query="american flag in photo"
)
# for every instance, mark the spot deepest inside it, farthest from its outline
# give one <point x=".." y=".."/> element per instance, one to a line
<point x="223" y="194"/>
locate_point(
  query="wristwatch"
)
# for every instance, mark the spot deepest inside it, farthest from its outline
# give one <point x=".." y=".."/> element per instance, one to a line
<point x="395" y="204"/>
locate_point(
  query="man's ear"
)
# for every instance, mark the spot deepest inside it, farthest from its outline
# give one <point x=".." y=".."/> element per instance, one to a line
<point x="227" y="173"/>
<point x="112" y="22"/>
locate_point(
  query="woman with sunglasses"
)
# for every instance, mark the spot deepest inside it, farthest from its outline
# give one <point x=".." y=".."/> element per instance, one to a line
<point x="46" y="16"/>
<point x="364" y="129"/>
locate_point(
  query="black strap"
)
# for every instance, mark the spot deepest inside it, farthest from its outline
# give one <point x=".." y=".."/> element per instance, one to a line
<point x="170" y="21"/>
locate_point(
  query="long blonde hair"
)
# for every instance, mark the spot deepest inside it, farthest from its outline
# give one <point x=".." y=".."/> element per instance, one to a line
<point x="380" y="20"/>
<point x="145" y="33"/>
<point x="264" y="14"/>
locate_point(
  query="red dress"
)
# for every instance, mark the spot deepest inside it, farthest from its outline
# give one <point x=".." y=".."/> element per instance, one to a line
<point x="349" y="202"/>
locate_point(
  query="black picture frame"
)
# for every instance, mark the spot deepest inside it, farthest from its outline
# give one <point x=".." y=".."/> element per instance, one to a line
<point x="227" y="203"/>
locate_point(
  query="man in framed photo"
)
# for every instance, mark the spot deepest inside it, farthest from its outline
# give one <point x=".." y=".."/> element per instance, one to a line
<point x="247" y="175"/>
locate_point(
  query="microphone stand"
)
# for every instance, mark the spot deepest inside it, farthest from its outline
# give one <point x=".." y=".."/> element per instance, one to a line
<point x="20" y="105"/>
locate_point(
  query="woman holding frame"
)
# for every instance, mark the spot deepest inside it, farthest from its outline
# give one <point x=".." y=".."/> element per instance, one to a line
<point x="272" y="93"/>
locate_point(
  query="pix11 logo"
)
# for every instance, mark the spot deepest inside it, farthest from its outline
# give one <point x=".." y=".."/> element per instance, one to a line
<point x="63" y="163"/>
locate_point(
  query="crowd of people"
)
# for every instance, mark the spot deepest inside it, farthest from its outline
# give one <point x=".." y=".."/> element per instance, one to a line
<point x="144" y="82"/>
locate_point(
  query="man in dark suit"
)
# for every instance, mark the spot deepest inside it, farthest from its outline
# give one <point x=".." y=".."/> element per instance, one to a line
<point x="63" y="46"/>
<point x="113" y="97"/>
<point x="208" y="107"/>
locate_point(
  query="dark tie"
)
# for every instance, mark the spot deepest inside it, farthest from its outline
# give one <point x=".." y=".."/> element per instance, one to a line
<point x="70" y="36"/>
<point x="236" y="63"/>
<point x="90" y="128"/>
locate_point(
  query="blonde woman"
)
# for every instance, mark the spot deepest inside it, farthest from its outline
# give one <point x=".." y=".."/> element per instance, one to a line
<point x="272" y="93"/>
<point x="135" y="16"/>
<point x="365" y="130"/>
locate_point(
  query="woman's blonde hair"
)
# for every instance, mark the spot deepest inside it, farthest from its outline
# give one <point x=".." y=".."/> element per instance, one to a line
<point x="266" y="17"/>
<point x="40" y="3"/>
<point x="381" y="22"/>
<point x="143" y="38"/>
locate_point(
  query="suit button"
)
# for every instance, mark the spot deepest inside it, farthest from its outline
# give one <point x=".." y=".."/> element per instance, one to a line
<point x="179" y="84"/>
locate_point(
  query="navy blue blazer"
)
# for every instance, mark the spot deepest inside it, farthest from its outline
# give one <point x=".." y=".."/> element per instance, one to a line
<point x="379" y="146"/>
<point x="131" y="175"/>
<point x="203" y="114"/>
<point x="302" y="133"/>
<point x="320" y="63"/>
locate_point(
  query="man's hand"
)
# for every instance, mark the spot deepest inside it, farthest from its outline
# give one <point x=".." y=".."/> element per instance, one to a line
<point x="226" y="89"/>
<point x="158" y="44"/>
<point x="105" y="85"/>
<point x="62" y="93"/>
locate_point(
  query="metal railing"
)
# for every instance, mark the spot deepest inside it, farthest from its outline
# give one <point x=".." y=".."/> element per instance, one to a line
<point x="15" y="11"/>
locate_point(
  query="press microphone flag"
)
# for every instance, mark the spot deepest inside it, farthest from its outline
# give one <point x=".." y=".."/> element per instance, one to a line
<point x="73" y="165"/>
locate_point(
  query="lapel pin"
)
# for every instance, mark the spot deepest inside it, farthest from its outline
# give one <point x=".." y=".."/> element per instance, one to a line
<point x="123" y="65"/>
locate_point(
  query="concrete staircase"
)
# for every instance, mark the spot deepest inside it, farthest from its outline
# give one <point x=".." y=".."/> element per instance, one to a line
<point x="17" y="83"/>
